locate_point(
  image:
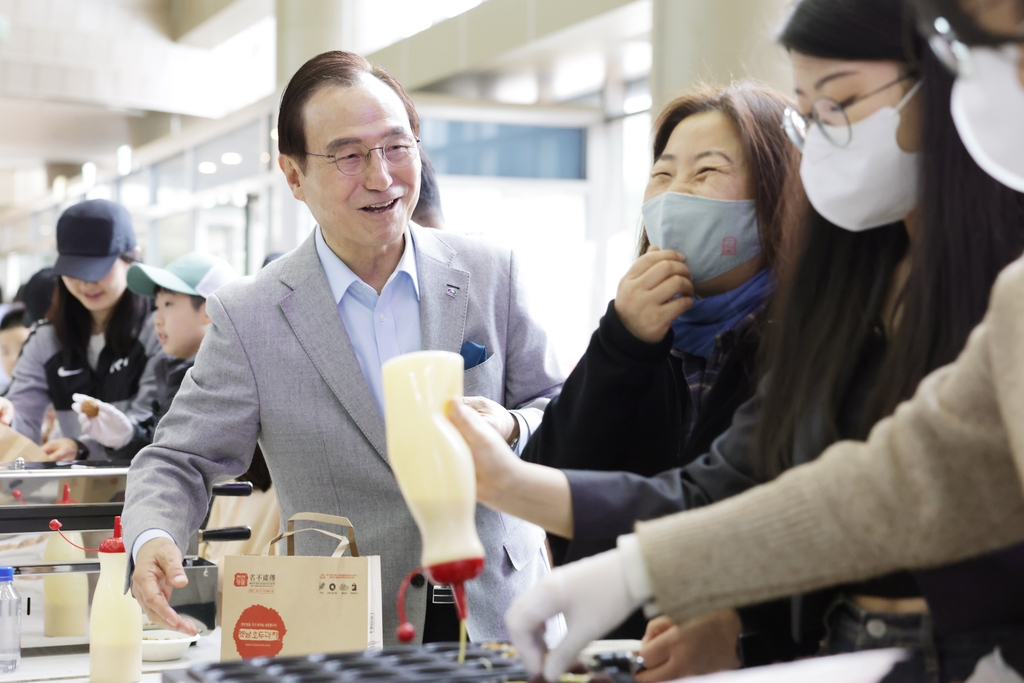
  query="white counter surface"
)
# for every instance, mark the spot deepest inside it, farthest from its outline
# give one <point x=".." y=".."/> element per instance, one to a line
<point x="75" y="668"/>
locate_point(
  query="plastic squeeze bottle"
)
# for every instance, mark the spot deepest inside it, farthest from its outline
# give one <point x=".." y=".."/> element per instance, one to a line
<point x="434" y="468"/>
<point x="65" y="596"/>
<point x="115" y="631"/>
<point x="115" y="624"/>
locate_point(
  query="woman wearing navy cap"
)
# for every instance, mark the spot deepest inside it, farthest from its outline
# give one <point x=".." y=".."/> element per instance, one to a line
<point x="95" y="340"/>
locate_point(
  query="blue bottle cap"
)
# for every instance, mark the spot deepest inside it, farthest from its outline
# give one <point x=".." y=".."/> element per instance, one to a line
<point x="6" y="573"/>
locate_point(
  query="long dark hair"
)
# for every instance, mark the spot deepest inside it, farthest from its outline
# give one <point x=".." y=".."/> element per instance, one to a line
<point x="72" y="322"/>
<point x="971" y="227"/>
<point x="756" y="111"/>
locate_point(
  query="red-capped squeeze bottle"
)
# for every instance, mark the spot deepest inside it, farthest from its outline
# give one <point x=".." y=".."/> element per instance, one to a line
<point x="115" y="629"/>
<point x="65" y="596"/>
<point x="434" y="469"/>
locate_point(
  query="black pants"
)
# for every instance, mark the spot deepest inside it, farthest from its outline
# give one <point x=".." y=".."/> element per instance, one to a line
<point x="441" y="624"/>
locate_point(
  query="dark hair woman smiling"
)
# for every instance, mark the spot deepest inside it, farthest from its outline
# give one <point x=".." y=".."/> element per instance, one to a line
<point x="97" y="340"/>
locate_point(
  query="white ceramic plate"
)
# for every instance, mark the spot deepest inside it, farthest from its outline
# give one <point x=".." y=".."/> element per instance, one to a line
<point x="164" y="646"/>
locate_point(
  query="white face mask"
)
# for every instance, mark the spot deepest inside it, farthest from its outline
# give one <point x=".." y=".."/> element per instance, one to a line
<point x="867" y="184"/>
<point x="988" y="109"/>
<point x="715" y="235"/>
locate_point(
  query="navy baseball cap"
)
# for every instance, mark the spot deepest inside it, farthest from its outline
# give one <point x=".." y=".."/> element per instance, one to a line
<point x="91" y="236"/>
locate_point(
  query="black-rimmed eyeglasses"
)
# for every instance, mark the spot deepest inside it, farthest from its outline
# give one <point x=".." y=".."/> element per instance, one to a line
<point x="353" y="158"/>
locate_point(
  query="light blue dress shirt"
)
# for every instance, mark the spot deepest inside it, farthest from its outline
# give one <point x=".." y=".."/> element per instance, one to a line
<point x="382" y="326"/>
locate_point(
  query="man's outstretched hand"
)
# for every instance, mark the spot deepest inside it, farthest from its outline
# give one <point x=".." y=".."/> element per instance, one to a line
<point x="158" y="571"/>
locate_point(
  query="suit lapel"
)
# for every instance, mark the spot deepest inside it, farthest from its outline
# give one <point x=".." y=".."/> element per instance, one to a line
<point x="313" y="316"/>
<point x="444" y="293"/>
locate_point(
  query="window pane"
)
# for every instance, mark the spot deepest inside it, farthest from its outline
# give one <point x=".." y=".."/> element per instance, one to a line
<point x="504" y="150"/>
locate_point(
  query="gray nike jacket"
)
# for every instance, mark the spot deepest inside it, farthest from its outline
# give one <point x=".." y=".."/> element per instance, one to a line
<point x="40" y="378"/>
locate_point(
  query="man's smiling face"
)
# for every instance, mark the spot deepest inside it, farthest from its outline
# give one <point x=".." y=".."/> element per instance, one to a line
<point x="366" y="211"/>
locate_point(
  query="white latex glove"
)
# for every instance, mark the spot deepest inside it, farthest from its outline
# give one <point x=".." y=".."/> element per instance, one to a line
<point x="594" y="596"/>
<point x="992" y="669"/>
<point x="110" y="427"/>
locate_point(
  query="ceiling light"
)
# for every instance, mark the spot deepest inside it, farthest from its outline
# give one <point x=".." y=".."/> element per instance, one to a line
<point x="519" y="88"/>
<point x="231" y="158"/>
<point x="88" y="174"/>
<point x="273" y="133"/>
<point x="207" y="167"/>
<point x="579" y="75"/>
<point x="265" y="157"/>
<point x="124" y="159"/>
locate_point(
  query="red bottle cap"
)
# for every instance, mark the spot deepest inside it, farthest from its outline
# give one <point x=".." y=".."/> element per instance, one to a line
<point x="114" y="544"/>
<point x="66" y="500"/>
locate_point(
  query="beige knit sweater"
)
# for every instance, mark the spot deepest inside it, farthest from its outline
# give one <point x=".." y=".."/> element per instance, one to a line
<point x="938" y="481"/>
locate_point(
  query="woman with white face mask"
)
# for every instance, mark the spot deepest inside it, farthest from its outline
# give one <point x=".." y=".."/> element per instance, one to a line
<point x="937" y="482"/>
<point x="665" y="370"/>
<point x="980" y="41"/>
<point x="871" y="305"/>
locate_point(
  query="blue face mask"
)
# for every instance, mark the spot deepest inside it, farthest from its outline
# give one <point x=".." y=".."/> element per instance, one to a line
<point x="715" y="235"/>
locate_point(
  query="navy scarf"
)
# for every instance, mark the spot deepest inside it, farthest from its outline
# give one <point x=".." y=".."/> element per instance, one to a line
<point x="696" y="330"/>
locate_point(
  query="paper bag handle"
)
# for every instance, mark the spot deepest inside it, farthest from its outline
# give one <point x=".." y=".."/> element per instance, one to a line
<point x="338" y="552"/>
<point x="336" y="520"/>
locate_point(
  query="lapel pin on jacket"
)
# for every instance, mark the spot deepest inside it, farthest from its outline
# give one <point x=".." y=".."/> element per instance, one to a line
<point x="452" y="291"/>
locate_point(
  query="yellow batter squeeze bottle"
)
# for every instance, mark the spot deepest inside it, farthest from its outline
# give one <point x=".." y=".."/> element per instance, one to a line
<point x="115" y="627"/>
<point x="65" y="596"/>
<point x="434" y="469"/>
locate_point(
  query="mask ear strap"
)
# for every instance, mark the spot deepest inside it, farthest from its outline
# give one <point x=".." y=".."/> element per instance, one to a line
<point x="910" y="94"/>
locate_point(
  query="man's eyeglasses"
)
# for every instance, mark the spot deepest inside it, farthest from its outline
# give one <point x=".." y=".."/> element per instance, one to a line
<point x="354" y="157"/>
<point x="830" y="117"/>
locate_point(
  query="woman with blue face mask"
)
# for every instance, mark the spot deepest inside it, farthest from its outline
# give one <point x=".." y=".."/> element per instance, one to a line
<point x="675" y="354"/>
<point x="939" y="481"/>
<point x="886" y="289"/>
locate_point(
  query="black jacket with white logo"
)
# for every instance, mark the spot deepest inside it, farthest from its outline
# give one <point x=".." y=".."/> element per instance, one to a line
<point x="40" y="377"/>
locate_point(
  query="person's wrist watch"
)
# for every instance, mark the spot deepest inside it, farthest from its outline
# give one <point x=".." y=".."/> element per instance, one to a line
<point x="515" y="442"/>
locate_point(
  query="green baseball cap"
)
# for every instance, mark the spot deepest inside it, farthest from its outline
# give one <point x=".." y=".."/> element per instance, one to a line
<point x="196" y="274"/>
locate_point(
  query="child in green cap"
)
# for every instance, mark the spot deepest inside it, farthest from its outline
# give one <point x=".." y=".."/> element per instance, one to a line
<point x="180" y="321"/>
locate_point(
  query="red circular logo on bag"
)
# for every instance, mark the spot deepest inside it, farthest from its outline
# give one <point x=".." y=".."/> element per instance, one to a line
<point x="259" y="632"/>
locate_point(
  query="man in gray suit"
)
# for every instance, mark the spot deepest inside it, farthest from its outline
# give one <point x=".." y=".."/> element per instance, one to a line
<point x="292" y="359"/>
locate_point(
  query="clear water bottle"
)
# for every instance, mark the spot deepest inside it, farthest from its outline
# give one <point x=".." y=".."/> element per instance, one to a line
<point x="10" y="622"/>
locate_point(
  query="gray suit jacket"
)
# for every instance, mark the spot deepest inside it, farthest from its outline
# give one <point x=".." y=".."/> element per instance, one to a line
<point x="277" y="365"/>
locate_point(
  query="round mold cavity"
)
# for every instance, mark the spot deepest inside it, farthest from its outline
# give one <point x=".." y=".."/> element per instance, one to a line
<point x="433" y="669"/>
<point x="285" y="668"/>
<point x="249" y="679"/>
<point x="312" y="678"/>
<point x="239" y="674"/>
<point x="357" y="665"/>
<point x="377" y="675"/>
<point x="441" y="647"/>
<point x="490" y="664"/>
<point x="408" y="660"/>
